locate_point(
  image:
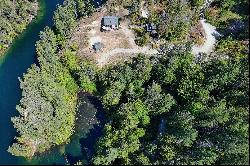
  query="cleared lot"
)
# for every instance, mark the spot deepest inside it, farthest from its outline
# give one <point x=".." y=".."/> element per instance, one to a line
<point x="119" y="43"/>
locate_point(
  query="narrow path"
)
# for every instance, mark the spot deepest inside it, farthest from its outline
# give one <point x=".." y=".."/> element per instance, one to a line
<point x="106" y="56"/>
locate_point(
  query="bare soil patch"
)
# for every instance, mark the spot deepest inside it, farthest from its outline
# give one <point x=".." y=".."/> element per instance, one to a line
<point x="116" y="42"/>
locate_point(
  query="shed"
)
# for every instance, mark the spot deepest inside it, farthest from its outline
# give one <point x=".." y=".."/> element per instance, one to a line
<point x="98" y="46"/>
<point x="151" y="27"/>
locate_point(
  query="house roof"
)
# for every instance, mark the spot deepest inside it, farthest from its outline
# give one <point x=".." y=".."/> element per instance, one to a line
<point x="110" y="20"/>
<point x="97" y="46"/>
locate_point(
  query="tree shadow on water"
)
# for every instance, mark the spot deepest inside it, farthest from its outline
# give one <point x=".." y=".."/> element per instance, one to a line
<point x="89" y="126"/>
<point x="95" y="133"/>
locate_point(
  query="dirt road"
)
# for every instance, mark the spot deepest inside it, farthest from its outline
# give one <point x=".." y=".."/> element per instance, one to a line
<point x="104" y="57"/>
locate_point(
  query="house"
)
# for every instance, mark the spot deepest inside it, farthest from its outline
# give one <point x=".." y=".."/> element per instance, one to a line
<point x="110" y="23"/>
<point x="98" y="46"/>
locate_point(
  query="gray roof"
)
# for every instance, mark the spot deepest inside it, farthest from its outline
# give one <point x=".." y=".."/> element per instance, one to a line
<point x="97" y="46"/>
<point x="110" y="20"/>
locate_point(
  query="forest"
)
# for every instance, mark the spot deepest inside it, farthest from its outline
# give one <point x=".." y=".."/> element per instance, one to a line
<point x="15" y="16"/>
<point x="173" y="109"/>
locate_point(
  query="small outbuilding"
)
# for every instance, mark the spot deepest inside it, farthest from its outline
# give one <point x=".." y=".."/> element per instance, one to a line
<point x="151" y="27"/>
<point x="110" y="23"/>
<point x="98" y="46"/>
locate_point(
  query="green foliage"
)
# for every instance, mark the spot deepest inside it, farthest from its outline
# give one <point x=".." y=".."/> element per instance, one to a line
<point x="181" y="127"/>
<point x="144" y="39"/>
<point x="203" y="109"/>
<point x="156" y="101"/>
<point x="113" y="95"/>
<point x="166" y="146"/>
<point x="119" y="142"/>
<point x="65" y="18"/>
<point x="171" y="24"/>
<point x="200" y="156"/>
<point x="47" y="108"/>
<point x="124" y="76"/>
<point x="70" y="60"/>
<point x="165" y="110"/>
<point x="49" y="92"/>
<point x="231" y="17"/>
<point x="15" y="16"/>
<point x="232" y="48"/>
<point x="197" y="3"/>
<point x="87" y="74"/>
<point x="21" y="150"/>
<point x="48" y="41"/>
<point x="176" y="25"/>
<point x="85" y="7"/>
<point x="142" y="159"/>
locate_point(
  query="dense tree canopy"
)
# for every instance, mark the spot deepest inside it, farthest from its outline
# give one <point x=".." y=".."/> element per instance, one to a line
<point x="49" y="91"/>
<point x="65" y="18"/>
<point x="177" y="112"/>
<point x="47" y="108"/>
<point x="184" y="110"/>
<point x="173" y="18"/>
<point x="168" y="109"/>
<point x="15" y="15"/>
<point x="231" y="17"/>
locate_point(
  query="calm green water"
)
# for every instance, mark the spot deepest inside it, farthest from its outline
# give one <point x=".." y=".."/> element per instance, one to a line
<point x="12" y="65"/>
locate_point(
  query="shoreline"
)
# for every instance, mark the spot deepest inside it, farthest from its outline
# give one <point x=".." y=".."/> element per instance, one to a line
<point x="39" y="12"/>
